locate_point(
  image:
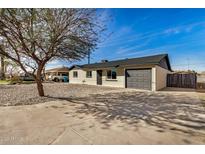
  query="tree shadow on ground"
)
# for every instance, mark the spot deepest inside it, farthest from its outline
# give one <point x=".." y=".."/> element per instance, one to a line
<point x="166" y="111"/>
<point x="174" y="90"/>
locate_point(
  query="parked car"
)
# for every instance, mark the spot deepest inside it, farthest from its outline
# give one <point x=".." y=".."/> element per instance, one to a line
<point x="58" y="78"/>
<point x="26" y="77"/>
<point x="59" y="74"/>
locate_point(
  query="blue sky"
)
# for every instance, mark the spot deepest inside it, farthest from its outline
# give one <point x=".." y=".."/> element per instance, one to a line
<point x="143" y="32"/>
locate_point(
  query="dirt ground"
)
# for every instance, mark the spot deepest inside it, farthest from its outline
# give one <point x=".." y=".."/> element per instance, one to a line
<point x="106" y="116"/>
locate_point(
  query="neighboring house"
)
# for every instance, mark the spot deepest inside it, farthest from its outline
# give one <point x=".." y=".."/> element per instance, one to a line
<point x="149" y="73"/>
<point x="201" y="80"/>
<point x="201" y="77"/>
<point x="57" y="72"/>
<point x="26" y="77"/>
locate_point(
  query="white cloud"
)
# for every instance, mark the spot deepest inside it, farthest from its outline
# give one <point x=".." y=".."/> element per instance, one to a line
<point x="175" y="30"/>
<point x="56" y="66"/>
<point x="54" y="62"/>
<point x="130" y="49"/>
<point x="183" y="28"/>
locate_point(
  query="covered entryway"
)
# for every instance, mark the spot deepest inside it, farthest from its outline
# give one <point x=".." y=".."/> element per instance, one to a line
<point x="139" y="79"/>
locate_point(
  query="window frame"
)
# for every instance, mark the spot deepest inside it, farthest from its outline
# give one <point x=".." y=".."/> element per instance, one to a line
<point x="75" y="75"/>
<point x="88" y="75"/>
<point x="110" y="77"/>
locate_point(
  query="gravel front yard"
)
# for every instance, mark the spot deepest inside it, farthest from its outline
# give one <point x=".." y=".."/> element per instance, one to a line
<point x="83" y="114"/>
<point x="27" y="94"/>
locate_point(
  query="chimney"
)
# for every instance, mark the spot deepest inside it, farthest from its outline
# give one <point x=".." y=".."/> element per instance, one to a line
<point x="104" y="61"/>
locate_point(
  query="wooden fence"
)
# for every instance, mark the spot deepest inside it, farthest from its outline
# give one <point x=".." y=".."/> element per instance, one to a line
<point x="182" y="80"/>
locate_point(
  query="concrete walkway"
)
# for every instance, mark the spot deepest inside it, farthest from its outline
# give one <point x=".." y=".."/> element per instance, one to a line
<point x="63" y="122"/>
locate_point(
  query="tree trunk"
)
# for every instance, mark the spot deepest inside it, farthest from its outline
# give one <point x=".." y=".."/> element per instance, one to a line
<point x="40" y="88"/>
<point x="2" y="67"/>
<point x="39" y="81"/>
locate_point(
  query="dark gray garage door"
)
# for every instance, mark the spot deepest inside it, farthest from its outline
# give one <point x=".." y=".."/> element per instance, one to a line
<point x="139" y="79"/>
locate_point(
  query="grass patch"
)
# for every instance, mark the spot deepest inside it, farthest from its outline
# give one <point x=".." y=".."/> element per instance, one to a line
<point x="15" y="82"/>
<point x="4" y="81"/>
<point x="28" y="82"/>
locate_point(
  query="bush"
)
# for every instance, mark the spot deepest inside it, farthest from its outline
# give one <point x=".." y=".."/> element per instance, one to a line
<point x="16" y="80"/>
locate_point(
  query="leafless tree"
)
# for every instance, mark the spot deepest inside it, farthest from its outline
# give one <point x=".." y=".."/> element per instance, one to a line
<point x="11" y="68"/>
<point x="33" y="37"/>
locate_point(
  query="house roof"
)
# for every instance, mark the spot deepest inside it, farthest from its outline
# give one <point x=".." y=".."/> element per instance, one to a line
<point x="60" y="69"/>
<point x="75" y="66"/>
<point x="149" y="60"/>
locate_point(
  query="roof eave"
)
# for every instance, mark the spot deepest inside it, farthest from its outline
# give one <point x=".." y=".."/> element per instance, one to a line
<point x="124" y="66"/>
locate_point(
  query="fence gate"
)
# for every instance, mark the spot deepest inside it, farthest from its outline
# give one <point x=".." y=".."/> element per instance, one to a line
<point x="182" y="80"/>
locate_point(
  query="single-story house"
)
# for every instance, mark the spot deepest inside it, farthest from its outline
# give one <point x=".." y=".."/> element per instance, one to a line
<point x="61" y="71"/>
<point x="149" y="73"/>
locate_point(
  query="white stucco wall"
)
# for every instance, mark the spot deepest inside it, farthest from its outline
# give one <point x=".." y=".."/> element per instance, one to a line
<point x="201" y="78"/>
<point x="161" y="77"/>
<point x="82" y="79"/>
<point x="119" y="82"/>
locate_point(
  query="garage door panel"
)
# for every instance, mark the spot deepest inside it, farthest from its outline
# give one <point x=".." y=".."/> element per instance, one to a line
<point x="139" y="79"/>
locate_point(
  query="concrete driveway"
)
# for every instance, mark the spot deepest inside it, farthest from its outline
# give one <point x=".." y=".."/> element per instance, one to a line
<point x="117" y="117"/>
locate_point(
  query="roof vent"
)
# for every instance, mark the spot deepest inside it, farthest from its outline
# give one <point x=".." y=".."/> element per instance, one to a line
<point x="104" y="61"/>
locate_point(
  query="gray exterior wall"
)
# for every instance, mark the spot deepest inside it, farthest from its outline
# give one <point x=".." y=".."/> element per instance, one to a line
<point x="163" y="63"/>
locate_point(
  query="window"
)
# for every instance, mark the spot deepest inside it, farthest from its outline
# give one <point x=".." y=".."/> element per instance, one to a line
<point x="111" y="74"/>
<point x="75" y="74"/>
<point x="89" y="74"/>
<point x="64" y="74"/>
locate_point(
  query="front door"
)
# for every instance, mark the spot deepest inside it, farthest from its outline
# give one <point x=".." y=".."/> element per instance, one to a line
<point x="99" y="77"/>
